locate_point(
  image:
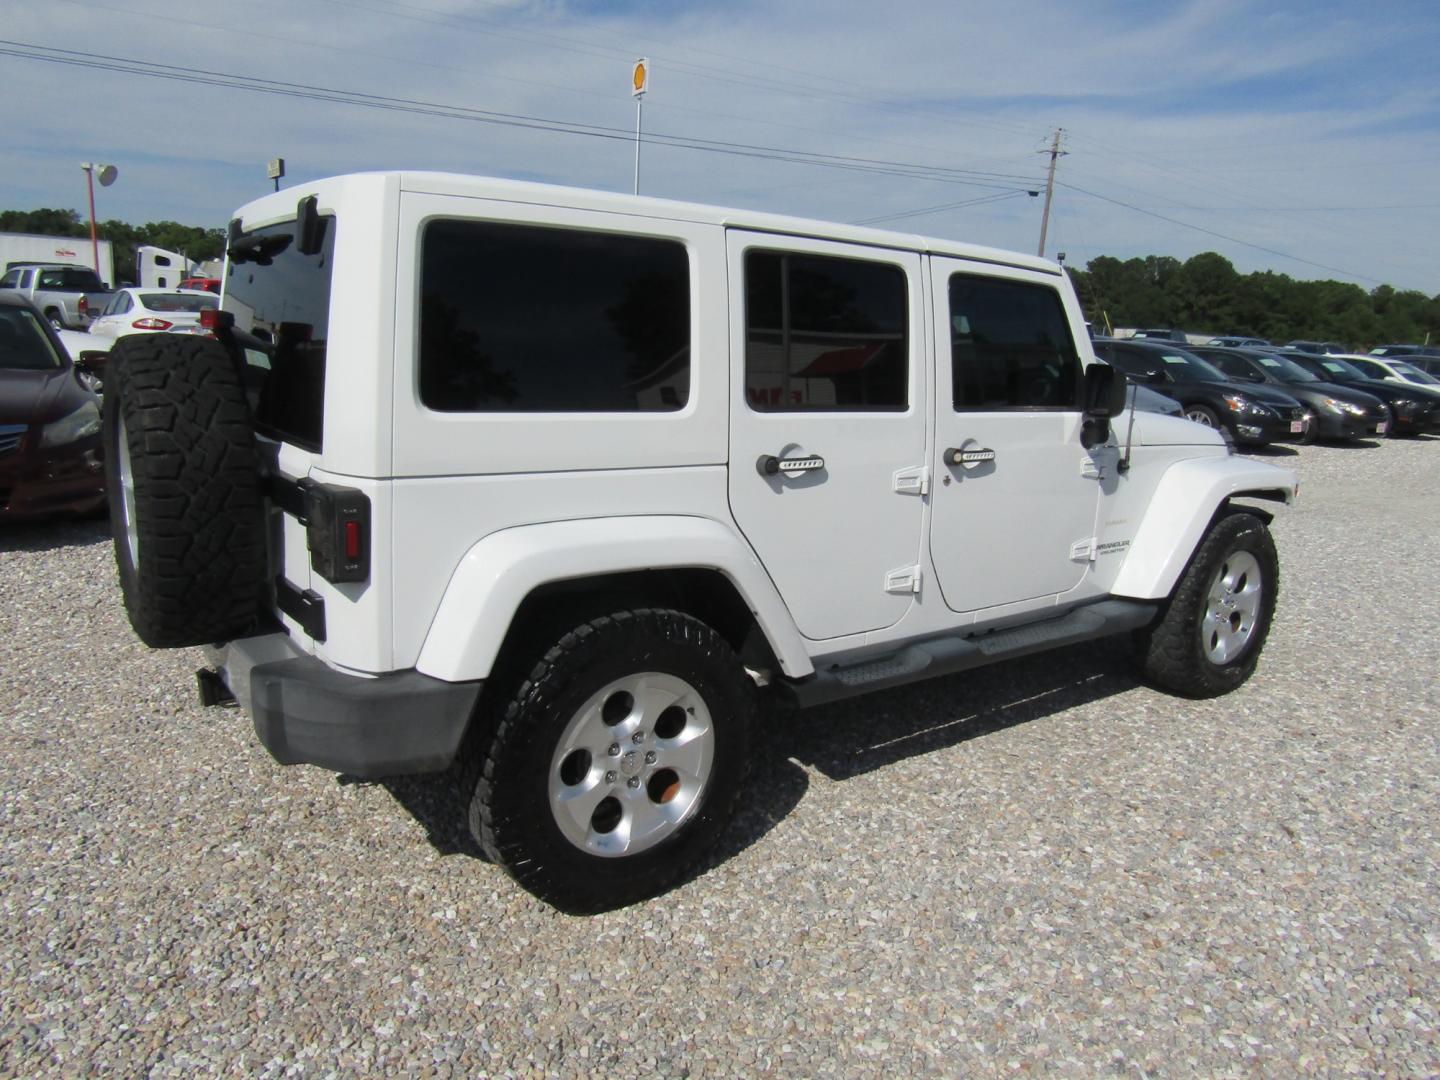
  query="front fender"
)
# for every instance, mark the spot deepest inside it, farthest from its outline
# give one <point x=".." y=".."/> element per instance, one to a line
<point x="1180" y="511"/>
<point x="498" y="572"/>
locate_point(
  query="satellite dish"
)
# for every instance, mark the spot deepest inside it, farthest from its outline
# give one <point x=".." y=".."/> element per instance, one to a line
<point x="106" y="175"/>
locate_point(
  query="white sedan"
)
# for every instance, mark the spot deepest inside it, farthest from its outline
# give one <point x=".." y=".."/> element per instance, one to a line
<point x="148" y="311"/>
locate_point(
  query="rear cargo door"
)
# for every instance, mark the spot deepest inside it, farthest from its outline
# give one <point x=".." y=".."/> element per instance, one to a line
<point x="279" y="294"/>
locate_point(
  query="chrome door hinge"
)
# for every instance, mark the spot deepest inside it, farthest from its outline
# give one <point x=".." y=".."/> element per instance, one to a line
<point x="904" y="580"/>
<point x="914" y="481"/>
<point x="1083" y="550"/>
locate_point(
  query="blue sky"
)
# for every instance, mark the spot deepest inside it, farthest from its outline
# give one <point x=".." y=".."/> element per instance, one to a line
<point x="1297" y="137"/>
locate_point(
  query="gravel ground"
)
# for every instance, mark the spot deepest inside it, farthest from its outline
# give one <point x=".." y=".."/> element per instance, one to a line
<point x="1041" y="867"/>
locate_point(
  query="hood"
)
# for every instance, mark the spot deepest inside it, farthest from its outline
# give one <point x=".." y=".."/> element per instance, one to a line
<point x="1161" y="429"/>
<point x="1267" y="394"/>
<point x="1353" y="394"/>
<point x="1390" y="391"/>
<point x="37" y="397"/>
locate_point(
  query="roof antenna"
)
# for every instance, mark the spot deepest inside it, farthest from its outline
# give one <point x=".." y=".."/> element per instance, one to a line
<point x="1123" y="465"/>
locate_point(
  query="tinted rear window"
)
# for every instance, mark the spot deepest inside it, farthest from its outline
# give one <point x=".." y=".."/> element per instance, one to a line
<point x="176" y="302"/>
<point x="281" y="301"/>
<point x="523" y="318"/>
<point x="70" y="281"/>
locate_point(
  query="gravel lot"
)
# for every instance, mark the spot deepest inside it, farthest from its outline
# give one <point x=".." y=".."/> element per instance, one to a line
<point x="1042" y="867"/>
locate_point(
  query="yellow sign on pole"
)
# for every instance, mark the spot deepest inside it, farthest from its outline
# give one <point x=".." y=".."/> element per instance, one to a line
<point x="640" y="77"/>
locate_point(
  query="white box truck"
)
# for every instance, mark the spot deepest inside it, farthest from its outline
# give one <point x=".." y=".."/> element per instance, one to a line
<point x="16" y="248"/>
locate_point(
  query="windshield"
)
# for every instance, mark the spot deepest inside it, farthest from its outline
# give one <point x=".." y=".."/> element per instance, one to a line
<point x="70" y="280"/>
<point x="24" y="345"/>
<point x="1340" y="371"/>
<point x="178" y="302"/>
<point x="1414" y="374"/>
<point x="1286" y="370"/>
<point x="1187" y="367"/>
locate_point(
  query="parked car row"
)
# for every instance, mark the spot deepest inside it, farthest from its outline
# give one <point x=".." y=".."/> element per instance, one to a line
<point x="1254" y="395"/>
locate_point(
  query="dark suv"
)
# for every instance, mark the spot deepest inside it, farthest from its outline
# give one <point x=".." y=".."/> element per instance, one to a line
<point x="1248" y="415"/>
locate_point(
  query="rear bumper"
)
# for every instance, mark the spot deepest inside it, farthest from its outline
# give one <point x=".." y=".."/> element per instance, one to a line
<point x="306" y="712"/>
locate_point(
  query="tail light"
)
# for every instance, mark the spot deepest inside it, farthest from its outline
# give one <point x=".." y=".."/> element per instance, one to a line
<point x="337" y="527"/>
<point x="214" y="319"/>
<point x="151" y="324"/>
<point x="83" y="307"/>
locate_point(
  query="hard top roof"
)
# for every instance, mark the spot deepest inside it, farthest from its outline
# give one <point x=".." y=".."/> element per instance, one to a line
<point x="273" y="207"/>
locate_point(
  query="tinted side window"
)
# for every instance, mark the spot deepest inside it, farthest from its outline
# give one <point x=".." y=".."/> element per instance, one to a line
<point x="1135" y="362"/>
<point x="1230" y="365"/>
<point x="522" y="318"/>
<point x="1010" y="346"/>
<point x="824" y="333"/>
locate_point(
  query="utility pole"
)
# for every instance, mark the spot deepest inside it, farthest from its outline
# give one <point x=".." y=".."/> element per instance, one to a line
<point x="1055" y="154"/>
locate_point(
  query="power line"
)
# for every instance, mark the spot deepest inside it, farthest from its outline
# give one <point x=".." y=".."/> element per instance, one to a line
<point x="256" y="84"/>
<point x="1219" y="235"/>
<point x="939" y="209"/>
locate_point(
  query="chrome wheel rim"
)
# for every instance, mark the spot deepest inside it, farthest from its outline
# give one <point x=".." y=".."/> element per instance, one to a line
<point x="631" y="765"/>
<point x="1199" y="418"/>
<point x="1232" y="608"/>
<point x="127" y="493"/>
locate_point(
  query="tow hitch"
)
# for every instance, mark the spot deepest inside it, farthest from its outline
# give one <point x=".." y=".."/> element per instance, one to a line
<point x="213" y="690"/>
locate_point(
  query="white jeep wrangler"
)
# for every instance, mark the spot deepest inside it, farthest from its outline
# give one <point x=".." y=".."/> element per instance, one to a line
<point x="550" y="484"/>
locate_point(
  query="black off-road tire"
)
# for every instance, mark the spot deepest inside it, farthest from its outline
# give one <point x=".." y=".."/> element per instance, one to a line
<point x="186" y="505"/>
<point x="507" y="778"/>
<point x="1173" y="651"/>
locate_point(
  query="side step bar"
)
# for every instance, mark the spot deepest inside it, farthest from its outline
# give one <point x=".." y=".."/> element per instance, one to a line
<point x="947" y="655"/>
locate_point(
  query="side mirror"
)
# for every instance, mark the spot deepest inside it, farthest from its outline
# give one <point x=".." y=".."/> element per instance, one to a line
<point x="1246" y="376"/>
<point x="90" y="369"/>
<point x="1104" y="397"/>
<point x="1104" y="392"/>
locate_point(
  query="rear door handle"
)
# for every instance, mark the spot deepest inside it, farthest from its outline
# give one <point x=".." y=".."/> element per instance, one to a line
<point x="956" y="456"/>
<point x="771" y="465"/>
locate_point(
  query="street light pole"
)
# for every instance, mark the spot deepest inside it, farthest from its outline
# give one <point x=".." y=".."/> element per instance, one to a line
<point x="94" y="238"/>
<point x="107" y="177"/>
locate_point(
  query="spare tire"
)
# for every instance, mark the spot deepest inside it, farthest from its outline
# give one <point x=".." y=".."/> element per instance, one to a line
<point x="184" y="484"/>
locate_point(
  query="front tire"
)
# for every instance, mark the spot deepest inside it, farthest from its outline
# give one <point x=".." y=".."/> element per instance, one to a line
<point x="1208" y="639"/>
<point x="616" y="763"/>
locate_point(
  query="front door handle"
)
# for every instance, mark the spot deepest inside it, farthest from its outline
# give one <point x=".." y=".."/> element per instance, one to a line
<point x="771" y="465"/>
<point x="956" y="456"/>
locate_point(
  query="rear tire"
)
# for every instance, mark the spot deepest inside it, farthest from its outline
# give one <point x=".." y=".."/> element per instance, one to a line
<point x="616" y="764"/>
<point x="184" y="487"/>
<point x="1208" y="638"/>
